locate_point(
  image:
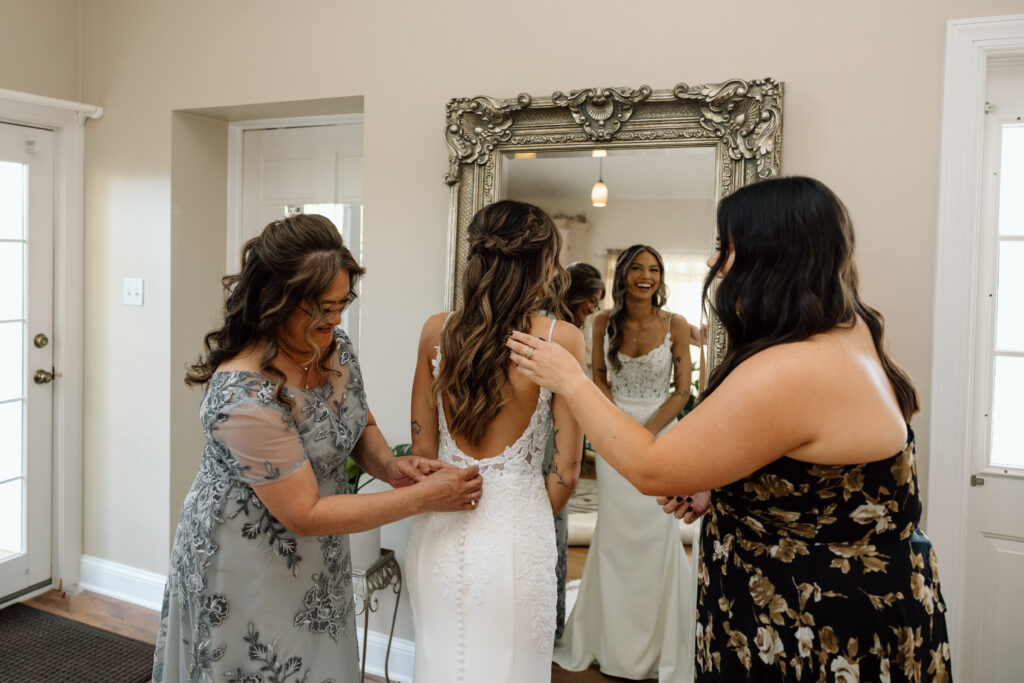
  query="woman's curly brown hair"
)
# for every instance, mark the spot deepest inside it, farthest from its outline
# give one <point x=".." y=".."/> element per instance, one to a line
<point x="292" y="262"/>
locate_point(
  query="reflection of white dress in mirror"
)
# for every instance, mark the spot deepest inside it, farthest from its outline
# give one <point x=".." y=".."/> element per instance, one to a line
<point x="482" y="583"/>
<point x="635" y="610"/>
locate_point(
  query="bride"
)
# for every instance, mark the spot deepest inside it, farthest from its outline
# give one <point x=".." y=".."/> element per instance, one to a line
<point x="634" y="611"/>
<point x="482" y="584"/>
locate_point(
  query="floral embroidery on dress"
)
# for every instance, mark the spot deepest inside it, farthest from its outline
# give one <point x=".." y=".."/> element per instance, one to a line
<point x="236" y="570"/>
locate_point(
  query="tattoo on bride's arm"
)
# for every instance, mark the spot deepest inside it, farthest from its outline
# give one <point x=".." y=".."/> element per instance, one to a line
<point x="554" y="460"/>
<point x="416" y="427"/>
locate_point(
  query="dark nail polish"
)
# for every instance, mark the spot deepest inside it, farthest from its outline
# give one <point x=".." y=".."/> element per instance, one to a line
<point x="679" y="499"/>
<point x="509" y="333"/>
<point x="689" y="499"/>
<point x="689" y="508"/>
<point x="542" y="339"/>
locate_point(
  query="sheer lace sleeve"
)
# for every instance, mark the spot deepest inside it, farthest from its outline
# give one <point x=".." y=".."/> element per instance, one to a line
<point x="262" y="441"/>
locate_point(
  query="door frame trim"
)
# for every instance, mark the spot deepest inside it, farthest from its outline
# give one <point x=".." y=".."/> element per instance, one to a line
<point x="67" y="120"/>
<point x="236" y="130"/>
<point x="969" y="45"/>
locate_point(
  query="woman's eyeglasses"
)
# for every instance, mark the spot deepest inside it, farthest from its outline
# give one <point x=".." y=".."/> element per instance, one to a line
<point x="327" y="310"/>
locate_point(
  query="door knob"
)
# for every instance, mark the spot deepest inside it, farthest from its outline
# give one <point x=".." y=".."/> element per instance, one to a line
<point x="42" y="377"/>
<point x="40" y="340"/>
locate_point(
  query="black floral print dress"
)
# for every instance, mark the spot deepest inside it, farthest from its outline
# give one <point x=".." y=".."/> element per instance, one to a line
<point x="820" y="573"/>
<point x="246" y="599"/>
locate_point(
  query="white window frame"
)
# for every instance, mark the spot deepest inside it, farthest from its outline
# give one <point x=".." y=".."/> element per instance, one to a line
<point x="969" y="45"/>
<point x="67" y="121"/>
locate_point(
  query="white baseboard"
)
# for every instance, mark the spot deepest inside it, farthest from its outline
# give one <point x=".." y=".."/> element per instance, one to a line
<point x="400" y="663"/>
<point x="129" y="584"/>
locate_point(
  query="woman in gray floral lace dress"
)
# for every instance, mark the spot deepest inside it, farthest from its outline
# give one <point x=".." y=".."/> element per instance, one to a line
<point x="813" y="566"/>
<point x="260" y="586"/>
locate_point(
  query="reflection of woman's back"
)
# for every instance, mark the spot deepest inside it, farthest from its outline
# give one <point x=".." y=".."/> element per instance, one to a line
<point x="634" y="612"/>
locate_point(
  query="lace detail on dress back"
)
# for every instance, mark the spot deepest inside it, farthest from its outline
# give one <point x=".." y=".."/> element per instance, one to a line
<point x="642" y="378"/>
<point x="459" y="561"/>
<point x="523" y="457"/>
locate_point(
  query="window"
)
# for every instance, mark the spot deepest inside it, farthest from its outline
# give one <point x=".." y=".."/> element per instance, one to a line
<point x="1007" y="398"/>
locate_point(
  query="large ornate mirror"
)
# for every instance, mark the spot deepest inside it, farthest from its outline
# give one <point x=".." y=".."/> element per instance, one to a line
<point x="663" y="158"/>
<point x="670" y="156"/>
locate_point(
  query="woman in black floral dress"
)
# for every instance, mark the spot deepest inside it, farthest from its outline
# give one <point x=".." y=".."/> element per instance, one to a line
<point x="812" y="565"/>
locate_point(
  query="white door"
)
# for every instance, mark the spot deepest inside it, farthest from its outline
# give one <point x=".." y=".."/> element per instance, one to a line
<point x="26" y="347"/>
<point x="312" y="169"/>
<point x="993" y="634"/>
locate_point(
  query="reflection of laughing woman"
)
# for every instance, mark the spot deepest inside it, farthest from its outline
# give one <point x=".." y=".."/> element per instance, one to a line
<point x="634" y="613"/>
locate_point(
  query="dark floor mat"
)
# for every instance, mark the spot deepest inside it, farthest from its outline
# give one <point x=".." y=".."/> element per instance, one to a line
<point x="39" y="647"/>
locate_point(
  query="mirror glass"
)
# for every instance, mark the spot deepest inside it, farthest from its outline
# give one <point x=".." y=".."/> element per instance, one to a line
<point x="664" y="198"/>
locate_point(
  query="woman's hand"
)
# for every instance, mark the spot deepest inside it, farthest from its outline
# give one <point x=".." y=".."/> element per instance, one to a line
<point x="546" y="363"/>
<point x="698" y="335"/>
<point x="687" y="508"/>
<point x="451" y="489"/>
<point x="409" y="469"/>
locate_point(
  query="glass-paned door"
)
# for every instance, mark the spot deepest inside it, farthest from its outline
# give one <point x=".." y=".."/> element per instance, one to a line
<point x="26" y="350"/>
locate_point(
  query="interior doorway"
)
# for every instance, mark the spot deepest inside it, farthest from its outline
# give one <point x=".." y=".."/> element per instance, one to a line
<point x="299" y="165"/>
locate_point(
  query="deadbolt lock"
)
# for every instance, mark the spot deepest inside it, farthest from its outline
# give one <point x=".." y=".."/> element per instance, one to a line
<point x="42" y="376"/>
<point x="40" y="340"/>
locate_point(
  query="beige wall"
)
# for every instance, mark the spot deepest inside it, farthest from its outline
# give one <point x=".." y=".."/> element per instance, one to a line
<point x="863" y="100"/>
<point x="199" y="167"/>
<point x="39" y="42"/>
<point x="665" y="224"/>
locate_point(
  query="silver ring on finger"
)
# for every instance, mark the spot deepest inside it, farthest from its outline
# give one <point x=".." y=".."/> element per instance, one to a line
<point x="528" y="353"/>
<point x="472" y="502"/>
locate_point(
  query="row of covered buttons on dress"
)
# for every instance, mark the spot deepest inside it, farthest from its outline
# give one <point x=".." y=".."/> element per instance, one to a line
<point x="460" y="631"/>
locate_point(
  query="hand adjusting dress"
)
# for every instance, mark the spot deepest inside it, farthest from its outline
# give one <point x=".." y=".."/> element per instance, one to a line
<point x="482" y="582"/>
<point x="247" y="599"/>
<point x="635" y="610"/>
<point x="819" y="572"/>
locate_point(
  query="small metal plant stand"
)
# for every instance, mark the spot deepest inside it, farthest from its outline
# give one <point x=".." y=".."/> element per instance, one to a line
<point x="365" y="582"/>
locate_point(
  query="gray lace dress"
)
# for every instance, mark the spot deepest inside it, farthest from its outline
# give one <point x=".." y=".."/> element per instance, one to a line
<point x="247" y="599"/>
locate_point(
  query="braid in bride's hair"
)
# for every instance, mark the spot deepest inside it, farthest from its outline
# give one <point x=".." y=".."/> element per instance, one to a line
<point x="513" y="252"/>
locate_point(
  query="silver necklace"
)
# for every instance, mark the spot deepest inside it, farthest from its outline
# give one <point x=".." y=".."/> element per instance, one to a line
<point x="643" y="323"/>
<point x="303" y="368"/>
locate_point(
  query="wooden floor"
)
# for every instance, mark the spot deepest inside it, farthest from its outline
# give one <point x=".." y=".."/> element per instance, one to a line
<point x="100" y="611"/>
<point x="141" y="623"/>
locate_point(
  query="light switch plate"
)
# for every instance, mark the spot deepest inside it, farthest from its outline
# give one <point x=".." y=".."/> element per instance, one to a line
<point x="133" y="291"/>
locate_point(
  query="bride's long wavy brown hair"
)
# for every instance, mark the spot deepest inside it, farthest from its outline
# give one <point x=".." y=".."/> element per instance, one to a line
<point x="291" y="263"/>
<point x="793" y="276"/>
<point x="513" y="254"/>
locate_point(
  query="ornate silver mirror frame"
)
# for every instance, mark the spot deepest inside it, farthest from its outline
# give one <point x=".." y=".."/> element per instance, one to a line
<point x="741" y="119"/>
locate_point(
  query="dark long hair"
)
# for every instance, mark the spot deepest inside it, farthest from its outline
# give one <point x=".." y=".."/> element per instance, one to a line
<point x="618" y="312"/>
<point x="793" y="275"/>
<point x="512" y="248"/>
<point x="584" y="280"/>
<point x="290" y="264"/>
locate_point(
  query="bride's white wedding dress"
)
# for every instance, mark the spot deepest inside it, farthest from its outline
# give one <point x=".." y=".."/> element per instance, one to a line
<point x="636" y="606"/>
<point x="482" y="582"/>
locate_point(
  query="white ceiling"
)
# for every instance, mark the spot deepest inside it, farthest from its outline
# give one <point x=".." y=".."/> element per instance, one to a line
<point x="676" y="173"/>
